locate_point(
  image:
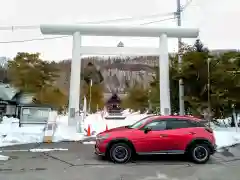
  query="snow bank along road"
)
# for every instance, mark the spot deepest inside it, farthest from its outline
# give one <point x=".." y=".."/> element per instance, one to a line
<point x="79" y="163"/>
<point x="12" y="134"/>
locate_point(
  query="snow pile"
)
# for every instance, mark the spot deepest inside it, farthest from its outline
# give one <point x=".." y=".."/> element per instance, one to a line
<point x="23" y="135"/>
<point x="226" y="137"/>
<point x="126" y="112"/>
<point x="47" y="150"/>
<point x="67" y="133"/>
<point x="12" y="134"/>
<point x="7" y="125"/>
<point x="224" y="122"/>
<point x="3" y="158"/>
<point x="95" y="122"/>
<point x="98" y="124"/>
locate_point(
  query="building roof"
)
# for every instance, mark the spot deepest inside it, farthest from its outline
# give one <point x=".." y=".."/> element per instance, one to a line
<point x="7" y="92"/>
<point x="114" y="99"/>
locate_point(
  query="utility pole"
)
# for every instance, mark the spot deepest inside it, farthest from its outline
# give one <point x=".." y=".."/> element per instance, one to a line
<point x="120" y="45"/>
<point x="209" y="93"/>
<point x="181" y="85"/>
<point x="90" y="96"/>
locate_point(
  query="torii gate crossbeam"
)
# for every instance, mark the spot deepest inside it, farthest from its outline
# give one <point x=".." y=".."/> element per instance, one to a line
<point x="131" y="31"/>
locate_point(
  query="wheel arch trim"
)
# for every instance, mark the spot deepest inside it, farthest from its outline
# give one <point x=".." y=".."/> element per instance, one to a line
<point x="113" y="141"/>
<point x="212" y="148"/>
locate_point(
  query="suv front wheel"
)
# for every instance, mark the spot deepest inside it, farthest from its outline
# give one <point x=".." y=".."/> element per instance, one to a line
<point x="200" y="153"/>
<point x="120" y="153"/>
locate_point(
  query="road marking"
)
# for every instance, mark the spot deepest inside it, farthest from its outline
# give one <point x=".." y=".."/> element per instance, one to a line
<point x="34" y="150"/>
<point x="160" y="176"/>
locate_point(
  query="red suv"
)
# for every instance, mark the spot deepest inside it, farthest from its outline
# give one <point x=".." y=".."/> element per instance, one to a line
<point x="158" y="135"/>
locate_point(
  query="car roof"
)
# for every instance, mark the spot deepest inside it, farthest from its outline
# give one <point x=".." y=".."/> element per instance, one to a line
<point x="176" y="117"/>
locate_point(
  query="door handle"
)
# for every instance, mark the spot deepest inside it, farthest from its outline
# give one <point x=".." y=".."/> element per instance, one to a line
<point x="192" y="133"/>
<point x="163" y="135"/>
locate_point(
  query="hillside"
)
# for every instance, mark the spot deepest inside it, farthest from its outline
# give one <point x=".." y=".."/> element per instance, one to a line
<point x="118" y="73"/>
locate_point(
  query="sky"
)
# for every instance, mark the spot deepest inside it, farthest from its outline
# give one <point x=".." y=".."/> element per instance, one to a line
<point x="216" y="19"/>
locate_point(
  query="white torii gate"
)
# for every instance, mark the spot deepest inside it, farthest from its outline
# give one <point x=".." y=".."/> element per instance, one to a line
<point x="131" y="31"/>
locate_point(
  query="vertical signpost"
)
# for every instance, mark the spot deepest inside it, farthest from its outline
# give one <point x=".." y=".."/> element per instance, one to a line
<point x="50" y="127"/>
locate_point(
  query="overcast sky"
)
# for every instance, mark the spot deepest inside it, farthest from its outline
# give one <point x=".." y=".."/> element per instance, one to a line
<point x="217" y="20"/>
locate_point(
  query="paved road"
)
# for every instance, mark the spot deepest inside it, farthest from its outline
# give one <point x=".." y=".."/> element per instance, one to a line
<point x="79" y="163"/>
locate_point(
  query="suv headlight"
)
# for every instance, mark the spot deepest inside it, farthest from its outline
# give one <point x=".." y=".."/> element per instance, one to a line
<point x="102" y="137"/>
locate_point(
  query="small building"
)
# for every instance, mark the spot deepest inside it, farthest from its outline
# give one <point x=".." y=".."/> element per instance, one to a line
<point x="9" y="98"/>
<point x="113" y="104"/>
<point x="15" y="103"/>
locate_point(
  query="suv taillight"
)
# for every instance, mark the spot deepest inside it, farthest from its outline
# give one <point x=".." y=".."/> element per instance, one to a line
<point x="209" y="129"/>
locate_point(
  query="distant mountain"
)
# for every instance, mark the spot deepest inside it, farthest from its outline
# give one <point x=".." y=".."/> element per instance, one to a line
<point x="119" y="73"/>
<point x="221" y="51"/>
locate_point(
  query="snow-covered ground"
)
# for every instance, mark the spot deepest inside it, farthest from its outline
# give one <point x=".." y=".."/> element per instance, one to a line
<point x="3" y="158"/>
<point x="12" y="134"/>
<point x="98" y="123"/>
<point x="226" y="137"/>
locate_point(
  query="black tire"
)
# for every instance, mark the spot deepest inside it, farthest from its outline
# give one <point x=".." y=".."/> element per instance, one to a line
<point x="120" y="157"/>
<point x="199" y="153"/>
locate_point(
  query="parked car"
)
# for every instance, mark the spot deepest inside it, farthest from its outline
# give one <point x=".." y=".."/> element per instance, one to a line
<point x="154" y="135"/>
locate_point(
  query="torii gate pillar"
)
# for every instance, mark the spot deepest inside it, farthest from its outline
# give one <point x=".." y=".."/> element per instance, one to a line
<point x="75" y="78"/>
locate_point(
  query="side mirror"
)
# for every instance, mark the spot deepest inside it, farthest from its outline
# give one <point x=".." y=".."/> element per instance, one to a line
<point x="147" y="129"/>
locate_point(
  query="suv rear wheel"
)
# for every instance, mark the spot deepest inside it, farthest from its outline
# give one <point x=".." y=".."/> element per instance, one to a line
<point x="200" y="153"/>
<point x="120" y="153"/>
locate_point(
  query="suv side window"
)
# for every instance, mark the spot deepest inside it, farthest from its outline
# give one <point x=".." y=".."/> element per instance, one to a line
<point x="195" y="123"/>
<point x="157" y="125"/>
<point x="178" y="124"/>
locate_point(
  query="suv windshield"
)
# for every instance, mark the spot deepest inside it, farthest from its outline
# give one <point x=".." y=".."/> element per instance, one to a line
<point x="139" y="123"/>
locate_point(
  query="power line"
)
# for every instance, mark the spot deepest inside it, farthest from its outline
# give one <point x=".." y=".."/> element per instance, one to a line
<point x="156" y="21"/>
<point x="29" y="27"/>
<point x="13" y="28"/>
<point x="35" y="39"/>
<point x="186" y="5"/>
<point x="59" y="37"/>
<point x="131" y="18"/>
